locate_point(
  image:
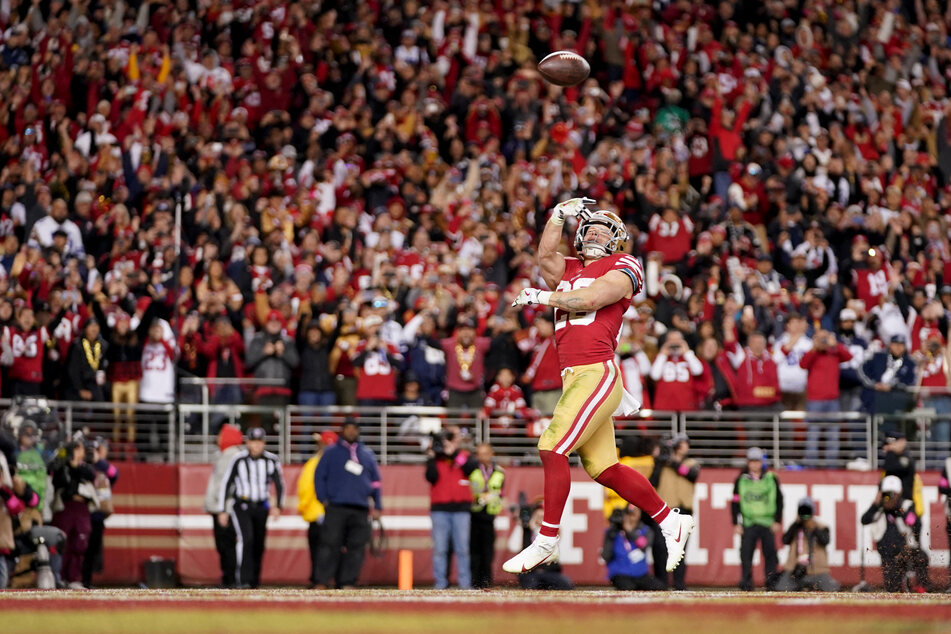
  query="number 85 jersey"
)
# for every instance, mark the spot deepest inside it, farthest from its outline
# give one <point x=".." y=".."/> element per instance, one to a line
<point x="592" y="336"/>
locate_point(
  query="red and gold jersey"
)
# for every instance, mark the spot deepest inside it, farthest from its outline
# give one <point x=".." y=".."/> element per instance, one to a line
<point x="591" y="337"/>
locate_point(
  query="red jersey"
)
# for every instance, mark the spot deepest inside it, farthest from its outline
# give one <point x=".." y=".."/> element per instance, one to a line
<point x="670" y="238"/>
<point x="27" y="350"/>
<point x="589" y="337"/>
<point x="870" y="286"/>
<point x="377" y="378"/>
<point x="543" y="373"/>
<point x="934" y="375"/>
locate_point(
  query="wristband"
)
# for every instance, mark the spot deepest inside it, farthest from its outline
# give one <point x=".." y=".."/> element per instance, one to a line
<point x="556" y="219"/>
<point x="544" y="297"/>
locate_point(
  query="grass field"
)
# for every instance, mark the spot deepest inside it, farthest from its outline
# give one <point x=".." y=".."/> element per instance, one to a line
<point x="129" y="611"/>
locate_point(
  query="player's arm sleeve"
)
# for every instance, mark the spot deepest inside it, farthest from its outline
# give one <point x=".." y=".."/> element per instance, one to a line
<point x="631" y="268"/>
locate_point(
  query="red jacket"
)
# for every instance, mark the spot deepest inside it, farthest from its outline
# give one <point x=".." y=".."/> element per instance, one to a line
<point x="449" y="478"/>
<point x="823" y="367"/>
<point x="756" y="381"/>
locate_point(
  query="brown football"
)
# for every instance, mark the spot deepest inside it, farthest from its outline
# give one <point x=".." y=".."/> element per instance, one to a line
<point x="564" y="68"/>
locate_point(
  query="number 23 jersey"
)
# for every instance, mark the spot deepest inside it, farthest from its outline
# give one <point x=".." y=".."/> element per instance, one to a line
<point x="592" y="336"/>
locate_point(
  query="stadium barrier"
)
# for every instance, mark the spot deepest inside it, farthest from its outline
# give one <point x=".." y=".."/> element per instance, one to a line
<point x="185" y="432"/>
<point x="159" y="513"/>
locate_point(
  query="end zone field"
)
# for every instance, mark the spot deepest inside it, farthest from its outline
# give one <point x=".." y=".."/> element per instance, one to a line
<point x="130" y="611"/>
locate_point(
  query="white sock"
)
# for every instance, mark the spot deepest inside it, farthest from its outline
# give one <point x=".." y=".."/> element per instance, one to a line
<point x="670" y="522"/>
<point x="546" y="539"/>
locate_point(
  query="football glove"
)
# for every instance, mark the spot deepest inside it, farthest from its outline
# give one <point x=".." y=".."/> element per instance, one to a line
<point x="571" y="207"/>
<point x="531" y="296"/>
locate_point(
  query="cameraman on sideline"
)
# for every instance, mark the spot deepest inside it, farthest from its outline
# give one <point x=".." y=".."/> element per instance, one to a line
<point x="448" y="469"/>
<point x="676" y="481"/>
<point x="807" y="566"/>
<point x="625" y="551"/>
<point x="894" y="522"/>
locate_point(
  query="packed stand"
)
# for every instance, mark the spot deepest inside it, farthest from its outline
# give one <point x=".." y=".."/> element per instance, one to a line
<point x="361" y="187"/>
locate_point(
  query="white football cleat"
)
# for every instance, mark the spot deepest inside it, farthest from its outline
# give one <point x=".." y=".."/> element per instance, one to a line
<point x="544" y="550"/>
<point x="676" y="538"/>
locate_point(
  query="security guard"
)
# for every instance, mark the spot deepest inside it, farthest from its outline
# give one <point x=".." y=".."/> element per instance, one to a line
<point x="486" y="482"/>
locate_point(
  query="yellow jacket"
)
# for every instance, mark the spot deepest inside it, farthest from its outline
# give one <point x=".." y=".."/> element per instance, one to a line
<point x="307" y="504"/>
<point x="643" y="465"/>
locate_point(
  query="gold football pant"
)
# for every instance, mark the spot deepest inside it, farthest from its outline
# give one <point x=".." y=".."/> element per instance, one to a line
<point x="583" y="420"/>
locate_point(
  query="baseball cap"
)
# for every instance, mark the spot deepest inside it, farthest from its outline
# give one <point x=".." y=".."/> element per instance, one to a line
<point x="256" y="433"/>
<point x="327" y="437"/>
<point x="945" y="290"/>
<point x="892" y="436"/>
<point x="754" y="454"/>
<point x="891" y="484"/>
<point x="897" y="339"/>
<point x="806" y="507"/>
<point x="275" y="315"/>
<point x="847" y="314"/>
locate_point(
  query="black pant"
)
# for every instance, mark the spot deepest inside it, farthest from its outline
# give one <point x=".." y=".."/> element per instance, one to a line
<point x="251" y="533"/>
<point x="92" y="562"/>
<point x="482" y="549"/>
<point x="344" y="527"/>
<point x="545" y="578"/>
<point x="646" y="582"/>
<point x="313" y="542"/>
<point x="658" y="550"/>
<point x="225" y="540"/>
<point x="752" y="534"/>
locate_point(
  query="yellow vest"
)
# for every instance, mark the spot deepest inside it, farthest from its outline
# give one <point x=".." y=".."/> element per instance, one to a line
<point x="488" y="497"/>
<point x="307" y="504"/>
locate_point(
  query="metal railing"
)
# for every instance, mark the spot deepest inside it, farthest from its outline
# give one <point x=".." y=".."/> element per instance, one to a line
<point x="187" y="432"/>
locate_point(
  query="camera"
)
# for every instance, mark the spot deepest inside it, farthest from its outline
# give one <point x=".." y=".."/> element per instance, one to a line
<point x="616" y="519"/>
<point x="438" y="442"/>
<point x="934" y="347"/>
<point x="675" y="349"/>
<point x="523" y="510"/>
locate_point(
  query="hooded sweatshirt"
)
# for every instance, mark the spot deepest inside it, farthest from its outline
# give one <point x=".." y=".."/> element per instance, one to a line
<point x="229" y="442"/>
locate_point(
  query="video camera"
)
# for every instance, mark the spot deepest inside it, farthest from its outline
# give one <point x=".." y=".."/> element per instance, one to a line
<point x="523" y="510"/>
<point x="438" y="441"/>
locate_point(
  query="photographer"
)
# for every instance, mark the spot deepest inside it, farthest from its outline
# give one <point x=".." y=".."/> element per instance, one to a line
<point x="822" y="394"/>
<point x="74" y="492"/>
<point x="807" y="566"/>
<point x="448" y="469"/>
<point x="894" y="522"/>
<point x="676" y="481"/>
<point x="625" y="551"/>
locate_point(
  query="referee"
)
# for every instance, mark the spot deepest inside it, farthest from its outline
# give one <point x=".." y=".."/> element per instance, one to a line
<point x="246" y="482"/>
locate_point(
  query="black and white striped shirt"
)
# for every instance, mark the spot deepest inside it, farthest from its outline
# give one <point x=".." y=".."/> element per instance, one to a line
<point x="248" y="479"/>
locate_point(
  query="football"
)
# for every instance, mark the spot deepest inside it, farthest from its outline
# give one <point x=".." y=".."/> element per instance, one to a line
<point x="564" y="68"/>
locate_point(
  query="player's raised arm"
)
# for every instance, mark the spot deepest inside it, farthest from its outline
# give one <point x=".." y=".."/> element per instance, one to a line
<point x="551" y="262"/>
<point x="606" y="290"/>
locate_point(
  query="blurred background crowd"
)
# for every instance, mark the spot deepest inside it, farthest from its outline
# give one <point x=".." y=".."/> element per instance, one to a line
<point x="360" y="187"/>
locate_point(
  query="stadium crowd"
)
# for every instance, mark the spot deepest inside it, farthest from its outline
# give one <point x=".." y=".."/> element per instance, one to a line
<point x="360" y="186"/>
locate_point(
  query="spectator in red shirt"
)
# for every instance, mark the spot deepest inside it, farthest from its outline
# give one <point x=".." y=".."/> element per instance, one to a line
<point x="822" y="394"/>
<point x="378" y="364"/>
<point x="465" y="366"/>
<point x="673" y="371"/>
<point x="543" y="374"/>
<point x="505" y="403"/>
<point x="757" y="378"/>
